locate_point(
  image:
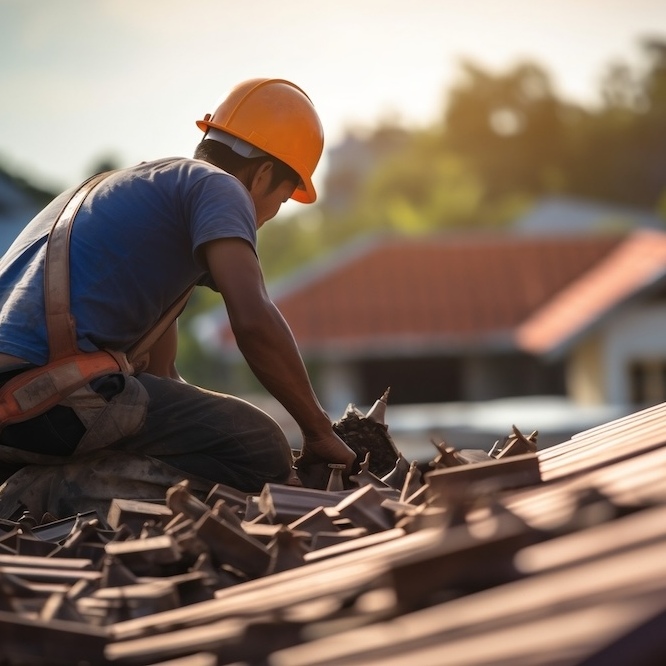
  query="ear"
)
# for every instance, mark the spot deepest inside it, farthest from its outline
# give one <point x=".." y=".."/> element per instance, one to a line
<point x="262" y="176"/>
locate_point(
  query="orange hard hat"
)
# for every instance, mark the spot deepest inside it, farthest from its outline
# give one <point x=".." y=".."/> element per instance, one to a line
<point x="277" y="117"/>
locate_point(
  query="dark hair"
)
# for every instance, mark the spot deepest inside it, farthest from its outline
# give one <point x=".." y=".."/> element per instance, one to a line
<point x="244" y="168"/>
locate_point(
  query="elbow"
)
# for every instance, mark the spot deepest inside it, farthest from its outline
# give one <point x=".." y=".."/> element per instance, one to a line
<point x="249" y="326"/>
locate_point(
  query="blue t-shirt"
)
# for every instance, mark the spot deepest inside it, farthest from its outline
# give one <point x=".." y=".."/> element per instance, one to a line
<point x="133" y="252"/>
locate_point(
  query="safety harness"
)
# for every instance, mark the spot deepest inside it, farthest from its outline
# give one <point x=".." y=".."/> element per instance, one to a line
<point x="38" y="389"/>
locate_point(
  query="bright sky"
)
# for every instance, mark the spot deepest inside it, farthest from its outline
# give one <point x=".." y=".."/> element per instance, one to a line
<point x="81" y="79"/>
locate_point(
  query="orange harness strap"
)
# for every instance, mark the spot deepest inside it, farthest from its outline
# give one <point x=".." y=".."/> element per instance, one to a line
<point x="37" y="390"/>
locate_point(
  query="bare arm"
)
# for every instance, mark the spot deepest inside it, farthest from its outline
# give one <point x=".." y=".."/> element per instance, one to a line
<point x="266" y="342"/>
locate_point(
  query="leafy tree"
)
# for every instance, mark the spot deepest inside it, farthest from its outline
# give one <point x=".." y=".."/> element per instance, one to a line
<point x="422" y="189"/>
<point x="106" y="162"/>
<point x="504" y="140"/>
<point x="619" y="152"/>
<point x="511" y="127"/>
<point x="285" y="244"/>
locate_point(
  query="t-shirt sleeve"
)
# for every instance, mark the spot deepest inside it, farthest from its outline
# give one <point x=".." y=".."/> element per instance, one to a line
<point x="220" y="207"/>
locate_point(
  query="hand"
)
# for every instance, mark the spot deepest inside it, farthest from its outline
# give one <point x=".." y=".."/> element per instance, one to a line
<point x="327" y="449"/>
<point x="311" y="466"/>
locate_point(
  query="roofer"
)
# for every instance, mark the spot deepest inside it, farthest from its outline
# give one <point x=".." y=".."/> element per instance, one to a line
<point x="90" y="411"/>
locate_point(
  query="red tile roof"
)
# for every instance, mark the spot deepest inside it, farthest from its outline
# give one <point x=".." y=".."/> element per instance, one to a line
<point x="634" y="265"/>
<point x="443" y="291"/>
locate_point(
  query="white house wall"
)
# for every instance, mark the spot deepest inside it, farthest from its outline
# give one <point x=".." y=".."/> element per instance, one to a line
<point x="586" y="376"/>
<point x="638" y="332"/>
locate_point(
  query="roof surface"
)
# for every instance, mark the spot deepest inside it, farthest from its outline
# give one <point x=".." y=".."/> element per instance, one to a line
<point x="442" y="291"/>
<point x="552" y="557"/>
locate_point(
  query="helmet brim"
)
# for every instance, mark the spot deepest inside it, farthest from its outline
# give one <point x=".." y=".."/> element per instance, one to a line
<point x="304" y="194"/>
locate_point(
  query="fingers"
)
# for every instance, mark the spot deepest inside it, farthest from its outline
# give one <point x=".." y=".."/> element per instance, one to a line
<point x="329" y="449"/>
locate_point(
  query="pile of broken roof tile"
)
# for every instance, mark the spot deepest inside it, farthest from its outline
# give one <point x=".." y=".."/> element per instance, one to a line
<point x="516" y="556"/>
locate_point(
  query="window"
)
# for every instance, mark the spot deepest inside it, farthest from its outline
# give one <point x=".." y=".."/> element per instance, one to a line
<point x="648" y="381"/>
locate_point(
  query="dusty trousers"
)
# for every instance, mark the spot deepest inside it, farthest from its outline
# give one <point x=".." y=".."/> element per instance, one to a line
<point x="134" y="437"/>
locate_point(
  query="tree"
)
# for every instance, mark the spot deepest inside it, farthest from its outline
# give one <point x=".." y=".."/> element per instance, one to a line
<point x="621" y="152"/>
<point x="422" y="189"/>
<point x="510" y="127"/>
<point x="106" y="162"/>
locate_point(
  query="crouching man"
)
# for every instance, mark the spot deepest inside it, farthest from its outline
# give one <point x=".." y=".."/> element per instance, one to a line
<point x="91" y="404"/>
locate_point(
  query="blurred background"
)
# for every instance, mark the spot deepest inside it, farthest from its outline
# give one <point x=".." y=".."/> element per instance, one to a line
<point x="490" y="169"/>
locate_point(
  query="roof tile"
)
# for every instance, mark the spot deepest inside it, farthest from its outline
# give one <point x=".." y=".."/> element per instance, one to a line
<point x="443" y="288"/>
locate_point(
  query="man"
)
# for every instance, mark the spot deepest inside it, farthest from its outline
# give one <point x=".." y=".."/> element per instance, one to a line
<point x="140" y="238"/>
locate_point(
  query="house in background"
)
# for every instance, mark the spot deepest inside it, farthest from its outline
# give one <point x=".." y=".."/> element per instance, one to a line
<point x="459" y="326"/>
<point x="609" y="326"/>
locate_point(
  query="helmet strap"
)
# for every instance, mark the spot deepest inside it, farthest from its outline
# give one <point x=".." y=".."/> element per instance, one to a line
<point x="240" y="147"/>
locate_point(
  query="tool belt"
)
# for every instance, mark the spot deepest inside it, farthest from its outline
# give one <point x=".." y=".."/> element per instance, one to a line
<point x="35" y="391"/>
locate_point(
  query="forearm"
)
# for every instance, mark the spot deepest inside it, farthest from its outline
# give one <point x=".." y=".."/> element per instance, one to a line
<point x="266" y="342"/>
<point x="272" y="354"/>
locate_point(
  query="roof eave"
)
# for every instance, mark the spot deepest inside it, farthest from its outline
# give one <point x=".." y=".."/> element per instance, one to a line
<point x="565" y="344"/>
<point x="496" y="342"/>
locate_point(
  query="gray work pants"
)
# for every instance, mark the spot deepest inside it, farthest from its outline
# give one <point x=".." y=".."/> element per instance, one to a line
<point x="141" y="435"/>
